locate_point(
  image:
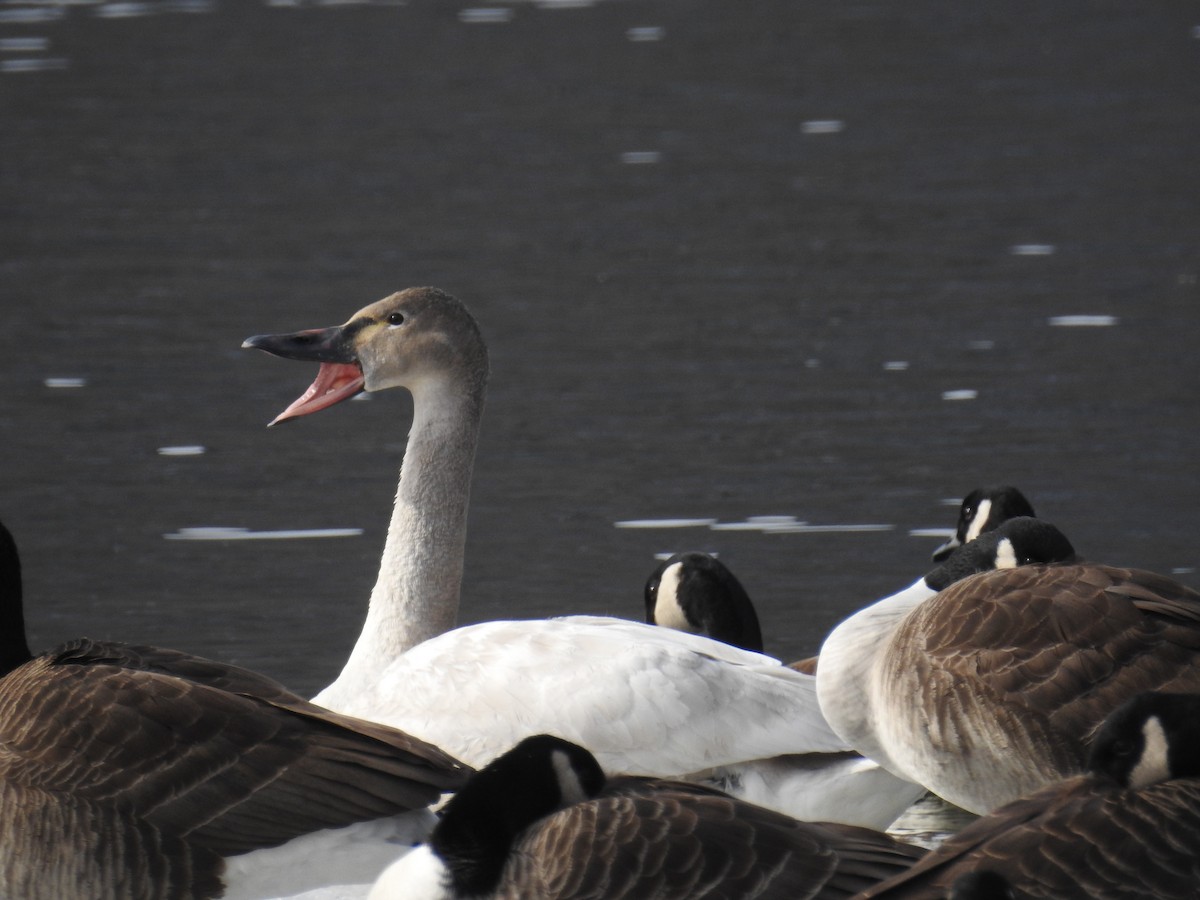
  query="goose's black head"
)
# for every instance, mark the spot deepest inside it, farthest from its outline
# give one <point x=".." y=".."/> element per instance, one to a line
<point x="981" y="511"/>
<point x="1151" y="737"/>
<point x="539" y="776"/>
<point x="696" y="592"/>
<point x="1022" y="541"/>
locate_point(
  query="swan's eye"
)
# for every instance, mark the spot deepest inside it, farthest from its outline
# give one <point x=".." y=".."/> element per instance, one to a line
<point x="395" y="318"/>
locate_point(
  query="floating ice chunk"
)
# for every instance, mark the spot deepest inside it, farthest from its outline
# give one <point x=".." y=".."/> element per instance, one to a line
<point x="1086" y="321"/>
<point x="477" y="15"/>
<point x="227" y="533"/>
<point x="805" y="528"/>
<point x="40" y="64"/>
<point x="645" y="33"/>
<point x="182" y="450"/>
<point x="24" y="44"/>
<point x="822" y="126"/>
<point x="665" y="523"/>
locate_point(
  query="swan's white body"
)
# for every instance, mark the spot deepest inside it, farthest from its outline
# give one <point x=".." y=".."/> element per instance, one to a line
<point x="851" y="667"/>
<point x="643" y="699"/>
<point x="646" y="700"/>
<point x="345" y="861"/>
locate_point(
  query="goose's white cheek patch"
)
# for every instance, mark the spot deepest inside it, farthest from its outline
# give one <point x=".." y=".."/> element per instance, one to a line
<point x="1153" y="765"/>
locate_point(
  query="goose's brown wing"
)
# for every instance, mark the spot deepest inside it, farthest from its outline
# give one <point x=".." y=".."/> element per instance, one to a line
<point x="1057" y="647"/>
<point x="676" y="844"/>
<point x="58" y="846"/>
<point x="1073" y="840"/>
<point x="233" y="771"/>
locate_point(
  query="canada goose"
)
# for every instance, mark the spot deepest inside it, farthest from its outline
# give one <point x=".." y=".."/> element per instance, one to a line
<point x="982" y="510"/>
<point x="543" y="821"/>
<point x="988" y="689"/>
<point x="696" y="592"/>
<point x="645" y="700"/>
<point x="136" y="771"/>
<point x="1128" y="828"/>
<point x="855" y="703"/>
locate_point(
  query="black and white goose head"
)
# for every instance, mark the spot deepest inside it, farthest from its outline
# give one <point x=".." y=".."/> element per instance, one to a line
<point x="981" y="511"/>
<point x="467" y="853"/>
<point x="696" y="592"/>
<point x="1019" y="541"/>
<point x="1152" y="737"/>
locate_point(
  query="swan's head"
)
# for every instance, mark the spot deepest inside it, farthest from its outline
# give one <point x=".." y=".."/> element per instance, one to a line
<point x="417" y="338"/>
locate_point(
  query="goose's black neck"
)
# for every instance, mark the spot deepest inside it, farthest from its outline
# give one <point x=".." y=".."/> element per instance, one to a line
<point x="14" y="650"/>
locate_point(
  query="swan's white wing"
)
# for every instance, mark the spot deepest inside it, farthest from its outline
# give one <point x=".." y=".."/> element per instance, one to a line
<point x="644" y="700"/>
<point x="819" y="787"/>
<point x="335" y="864"/>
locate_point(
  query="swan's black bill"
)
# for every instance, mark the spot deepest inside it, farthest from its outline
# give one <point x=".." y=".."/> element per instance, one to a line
<point x="339" y="378"/>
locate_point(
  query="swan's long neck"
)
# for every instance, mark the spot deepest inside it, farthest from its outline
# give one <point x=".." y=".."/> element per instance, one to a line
<point x="846" y="663"/>
<point x="420" y="573"/>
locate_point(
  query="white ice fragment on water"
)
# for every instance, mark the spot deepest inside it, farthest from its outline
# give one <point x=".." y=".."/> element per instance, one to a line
<point x="805" y="528"/>
<point x="24" y="44"/>
<point x="895" y="365"/>
<point x="228" y="533"/>
<point x="933" y="532"/>
<point x="40" y="64"/>
<point x="1082" y="321"/>
<point x="478" y="15"/>
<point x="29" y="16"/>
<point x="58" y="382"/>
<point x="822" y="126"/>
<point x="645" y="33"/>
<point x="641" y="157"/>
<point x="1032" y="249"/>
<point x="124" y="10"/>
<point x="664" y="523"/>
<point x="962" y="394"/>
<point x="182" y="450"/>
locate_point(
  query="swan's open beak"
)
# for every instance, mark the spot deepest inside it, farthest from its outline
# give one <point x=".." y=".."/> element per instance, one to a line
<point x="339" y="378"/>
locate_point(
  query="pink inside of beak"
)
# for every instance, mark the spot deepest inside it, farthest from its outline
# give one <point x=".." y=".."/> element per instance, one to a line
<point x="334" y="383"/>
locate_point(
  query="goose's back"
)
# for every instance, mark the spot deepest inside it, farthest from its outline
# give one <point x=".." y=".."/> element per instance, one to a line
<point x="1017" y="668"/>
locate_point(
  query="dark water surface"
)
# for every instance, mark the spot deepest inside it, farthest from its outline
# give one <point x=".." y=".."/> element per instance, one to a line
<point x="835" y="213"/>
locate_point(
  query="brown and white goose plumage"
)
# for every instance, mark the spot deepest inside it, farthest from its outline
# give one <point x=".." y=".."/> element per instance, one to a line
<point x="136" y="771"/>
<point x="992" y="687"/>
<point x="543" y="821"/>
<point x="1129" y="828"/>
